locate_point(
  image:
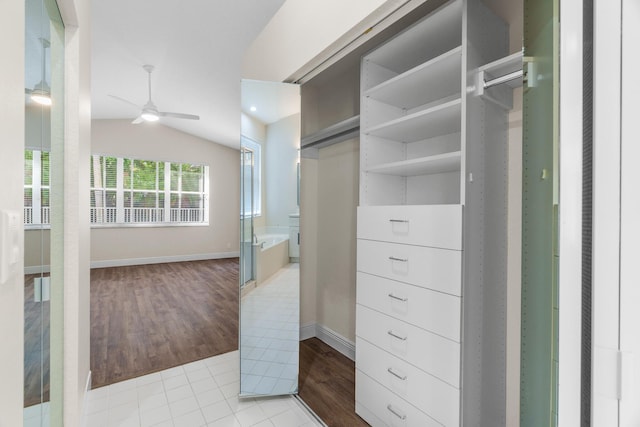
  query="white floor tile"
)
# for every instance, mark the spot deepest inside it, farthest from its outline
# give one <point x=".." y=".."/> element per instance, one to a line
<point x="226" y="378"/>
<point x="187" y="396"/>
<point x="199" y="375"/>
<point x="175" y="381"/>
<point x="155" y="416"/>
<point x="150" y="389"/>
<point x="209" y="397"/>
<point x="229" y="421"/>
<point x="172" y="372"/>
<point x="238" y="404"/>
<point x="183" y="407"/>
<point x="123" y="397"/>
<point x="117" y="388"/>
<point x="216" y="411"/>
<point x="192" y="419"/>
<point x="151" y="402"/>
<point x="251" y="416"/>
<point x="290" y="418"/>
<point x="204" y="385"/>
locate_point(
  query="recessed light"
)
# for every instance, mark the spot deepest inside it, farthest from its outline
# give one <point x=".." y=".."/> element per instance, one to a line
<point x="253" y="108"/>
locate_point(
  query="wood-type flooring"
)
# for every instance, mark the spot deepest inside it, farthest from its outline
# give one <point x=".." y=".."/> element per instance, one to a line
<point x="327" y="384"/>
<point x="153" y="317"/>
<point x="148" y="318"/>
<point x="36" y="346"/>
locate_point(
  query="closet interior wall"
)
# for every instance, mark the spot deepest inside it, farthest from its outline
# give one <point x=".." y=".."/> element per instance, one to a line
<point x="328" y="204"/>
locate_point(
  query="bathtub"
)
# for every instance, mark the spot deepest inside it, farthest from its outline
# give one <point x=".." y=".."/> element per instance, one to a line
<point x="270" y="254"/>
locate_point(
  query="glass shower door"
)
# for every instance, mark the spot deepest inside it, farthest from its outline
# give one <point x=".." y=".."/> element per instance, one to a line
<point x="43" y="213"/>
<point x="246" y="216"/>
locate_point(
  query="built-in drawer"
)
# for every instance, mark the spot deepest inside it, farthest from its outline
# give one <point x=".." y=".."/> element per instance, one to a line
<point x="380" y="407"/>
<point x="437" y="226"/>
<point x="436" y="269"/>
<point x="431" y="353"/>
<point x="434" y="397"/>
<point x="427" y="309"/>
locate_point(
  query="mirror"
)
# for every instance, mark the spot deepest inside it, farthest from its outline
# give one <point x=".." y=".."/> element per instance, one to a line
<point x="42" y="184"/>
<point x="270" y="238"/>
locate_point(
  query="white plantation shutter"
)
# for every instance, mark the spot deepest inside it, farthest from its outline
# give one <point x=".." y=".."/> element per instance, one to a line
<point x="134" y="191"/>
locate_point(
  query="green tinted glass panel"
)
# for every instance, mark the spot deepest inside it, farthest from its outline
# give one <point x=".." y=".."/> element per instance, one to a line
<point x="539" y="222"/>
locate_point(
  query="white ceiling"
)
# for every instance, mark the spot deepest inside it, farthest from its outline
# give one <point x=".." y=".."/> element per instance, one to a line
<point x="197" y="48"/>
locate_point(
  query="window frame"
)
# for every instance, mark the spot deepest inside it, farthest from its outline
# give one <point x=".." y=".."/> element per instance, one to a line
<point x="162" y="208"/>
<point x="256" y="148"/>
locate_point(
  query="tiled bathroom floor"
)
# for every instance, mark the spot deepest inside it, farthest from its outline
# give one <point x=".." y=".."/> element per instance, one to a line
<point x="270" y="334"/>
<point x="203" y="393"/>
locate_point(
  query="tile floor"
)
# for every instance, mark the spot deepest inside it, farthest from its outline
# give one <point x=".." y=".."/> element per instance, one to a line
<point x="37" y="415"/>
<point x="270" y="335"/>
<point x="203" y="393"/>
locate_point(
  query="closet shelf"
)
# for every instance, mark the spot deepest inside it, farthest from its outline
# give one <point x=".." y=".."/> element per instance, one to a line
<point x="442" y="119"/>
<point x="440" y="163"/>
<point x="421" y="43"/>
<point x="427" y="82"/>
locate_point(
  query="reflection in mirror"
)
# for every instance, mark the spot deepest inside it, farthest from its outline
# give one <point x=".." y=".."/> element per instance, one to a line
<point x="269" y="233"/>
<point x="44" y="120"/>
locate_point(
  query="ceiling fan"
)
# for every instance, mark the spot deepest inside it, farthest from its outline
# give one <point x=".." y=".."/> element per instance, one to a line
<point x="149" y="111"/>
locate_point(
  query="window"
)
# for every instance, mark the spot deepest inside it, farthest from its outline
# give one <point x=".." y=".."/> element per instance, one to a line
<point x="36" y="187"/>
<point x="251" y="164"/>
<point x="132" y="191"/>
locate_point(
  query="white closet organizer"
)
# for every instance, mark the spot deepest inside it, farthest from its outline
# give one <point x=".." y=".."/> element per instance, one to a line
<point x="430" y="333"/>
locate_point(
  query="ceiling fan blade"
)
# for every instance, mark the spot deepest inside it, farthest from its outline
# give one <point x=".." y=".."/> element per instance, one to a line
<point x="126" y="102"/>
<point x="178" y="115"/>
<point x="138" y="120"/>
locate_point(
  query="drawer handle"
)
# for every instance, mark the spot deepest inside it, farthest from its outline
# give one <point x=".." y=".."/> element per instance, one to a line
<point x="390" y="332"/>
<point x="398" y="298"/>
<point x="404" y="221"/>
<point x="392" y="258"/>
<point x="396" y="413"/>
<point x="392" y="372"/>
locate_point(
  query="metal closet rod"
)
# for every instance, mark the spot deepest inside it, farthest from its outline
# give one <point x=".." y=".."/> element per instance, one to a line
<point x="503" y="79"/>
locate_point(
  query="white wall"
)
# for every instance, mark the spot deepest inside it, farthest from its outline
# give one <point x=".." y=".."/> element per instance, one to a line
<point x="252" y="128"/>
<point x="338" y="171"/>
<point x="153" y="141"/>
<point x="298" y="32"/>
<point x="11" y="168"/>
<point x="308" y="240"/>
<point x="280" y="161"/>
<point x="77" y="145"/>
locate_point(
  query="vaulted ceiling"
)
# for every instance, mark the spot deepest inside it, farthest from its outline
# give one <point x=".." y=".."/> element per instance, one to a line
<point x="197" y="49"/>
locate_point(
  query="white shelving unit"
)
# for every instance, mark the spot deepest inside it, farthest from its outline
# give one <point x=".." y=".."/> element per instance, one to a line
<point x="431" y="222"/>
<point x="411" y="113"/>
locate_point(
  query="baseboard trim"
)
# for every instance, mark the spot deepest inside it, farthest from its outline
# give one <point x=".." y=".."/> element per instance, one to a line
<point x="308" y="330"/>
<point x="162" y="259"/>
<point x="329" y="337"/>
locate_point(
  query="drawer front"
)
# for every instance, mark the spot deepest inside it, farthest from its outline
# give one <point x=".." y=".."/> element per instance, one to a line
<point x="431" y="353"/>
<point x="438" y="226"/>
<point x="383" y="408"/>
<point x="434" y="397"/>
<point x="433" y="311"/>
<point x="436" y="269"/>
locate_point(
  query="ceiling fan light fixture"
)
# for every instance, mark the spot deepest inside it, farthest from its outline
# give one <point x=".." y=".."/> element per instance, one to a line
<point x="41" y="94"/>
<point x="149" y="116"/>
